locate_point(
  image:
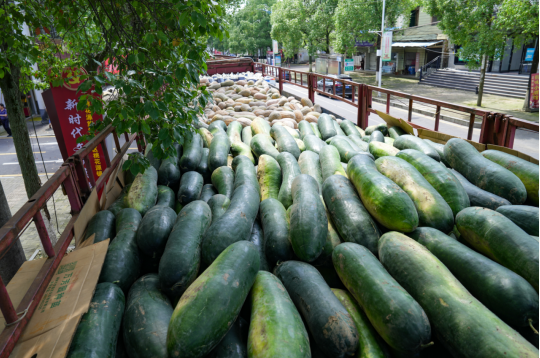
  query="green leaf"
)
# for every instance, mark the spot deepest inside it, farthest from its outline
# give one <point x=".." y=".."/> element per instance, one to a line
<point x="145" y="127"/>
<point x="85" y="86"/>
<point x="161" y="106"/>
<point x="81" y="105"/>
<point x="154" y="113"/>
<point x="132" y="59"/>
<point x="168" y="97"/>
<point x="161" y="35"/>
<point x="149" y="38"/>
<point x="126" y="165"/>
<point x="180" y="74"/>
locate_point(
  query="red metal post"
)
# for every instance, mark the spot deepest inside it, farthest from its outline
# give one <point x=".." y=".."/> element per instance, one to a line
<point x="483" y="130"/>
<point x="509" y="142"/>
<point x="280" y="77"/>
<point x="105" y="154"/>
<point x="388" y="103"/>
<point x="116" y="142"/>
<point x="410" y="110"/>
<point x="311" y="93"/>
<point x="367" y="105"/>
<point x="471" y="126"/>
<point x="6" y="305"/>
<point x="72" y="193"/>
<point x="43" y="234"/>
<point x="437" y="118"/>
<point x="360" y="111"/>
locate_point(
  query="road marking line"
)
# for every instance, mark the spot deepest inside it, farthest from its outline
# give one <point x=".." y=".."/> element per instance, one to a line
<point x="31" y="136"/>
<point x="52" y="143"/>
<point x="44" y="161"/>
<point x="16" y="153"/>
<point x="20" y="175"/>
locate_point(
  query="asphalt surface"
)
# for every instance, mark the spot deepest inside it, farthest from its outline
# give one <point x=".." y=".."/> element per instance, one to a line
<point x="46" y="155"/>
<point x="525" y="141"/>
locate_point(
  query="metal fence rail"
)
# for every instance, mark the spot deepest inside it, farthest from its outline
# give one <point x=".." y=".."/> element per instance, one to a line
<point x="497" y="128"/>
<point x="71" y="176"/>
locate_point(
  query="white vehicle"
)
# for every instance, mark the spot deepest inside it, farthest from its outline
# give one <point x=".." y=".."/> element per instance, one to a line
<point x="271" y="80"/>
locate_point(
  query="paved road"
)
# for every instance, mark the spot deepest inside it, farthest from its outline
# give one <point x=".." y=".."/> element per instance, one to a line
<point x="46" y="155"/>
<point x="51" y="161"/>
<point x="525" y="141"/>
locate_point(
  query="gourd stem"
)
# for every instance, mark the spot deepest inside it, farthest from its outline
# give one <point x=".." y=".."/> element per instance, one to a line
<point x="531" y="325"/>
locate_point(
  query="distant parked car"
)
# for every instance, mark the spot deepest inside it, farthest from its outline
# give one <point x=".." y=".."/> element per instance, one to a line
<point x="271" y="80"/>
<point x="327" y="87"/>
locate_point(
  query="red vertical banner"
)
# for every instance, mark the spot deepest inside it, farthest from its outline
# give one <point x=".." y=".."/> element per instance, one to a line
<point x="534" y="91"/>
<point x="74" y="123"/>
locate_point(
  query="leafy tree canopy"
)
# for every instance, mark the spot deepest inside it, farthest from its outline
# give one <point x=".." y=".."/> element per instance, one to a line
<point x="249" y="27"/>
<point x="303" y="24"/>
<point x="158" y="48"/>
<point x="354" y="19"/>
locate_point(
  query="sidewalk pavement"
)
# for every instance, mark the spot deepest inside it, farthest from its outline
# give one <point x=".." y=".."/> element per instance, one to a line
<point x="59" y="208"/>
<point x="41" y="129"/>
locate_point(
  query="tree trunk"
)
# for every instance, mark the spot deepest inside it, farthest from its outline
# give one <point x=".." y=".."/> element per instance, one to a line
<point x="482" y="79"/>
<point x="534" y="68"/>
<point x="14" y="258"/>
<point x="328" y="42"/>
<point x="9" y="85"/>
<point x="310" y="62"/>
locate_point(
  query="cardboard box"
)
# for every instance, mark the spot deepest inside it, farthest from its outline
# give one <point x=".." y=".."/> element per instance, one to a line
<point x="513" y="152"/>
<point x="67" y="298"/>
<point x="396" y="122"/>
<point x="442" y="138"/>
<point x="93" y="205"/>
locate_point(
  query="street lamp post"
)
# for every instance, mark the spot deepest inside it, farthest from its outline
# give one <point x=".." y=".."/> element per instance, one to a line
<point x="380" y="54"/>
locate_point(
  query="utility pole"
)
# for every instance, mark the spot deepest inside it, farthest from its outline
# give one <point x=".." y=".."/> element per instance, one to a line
<point x="379" y="72"/>
<point x="380" y="57"/>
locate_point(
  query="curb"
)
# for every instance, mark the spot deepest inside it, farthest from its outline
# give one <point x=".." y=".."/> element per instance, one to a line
<point x="28" y="121"/>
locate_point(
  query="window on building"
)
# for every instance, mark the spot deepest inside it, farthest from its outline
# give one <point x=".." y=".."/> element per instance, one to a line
<point x="414" y="17"/>
<point x="434" y="19"/>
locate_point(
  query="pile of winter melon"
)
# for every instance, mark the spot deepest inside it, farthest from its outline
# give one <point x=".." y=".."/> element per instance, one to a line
<point x="268" y="238"/>
<point x="244" y="101"/>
